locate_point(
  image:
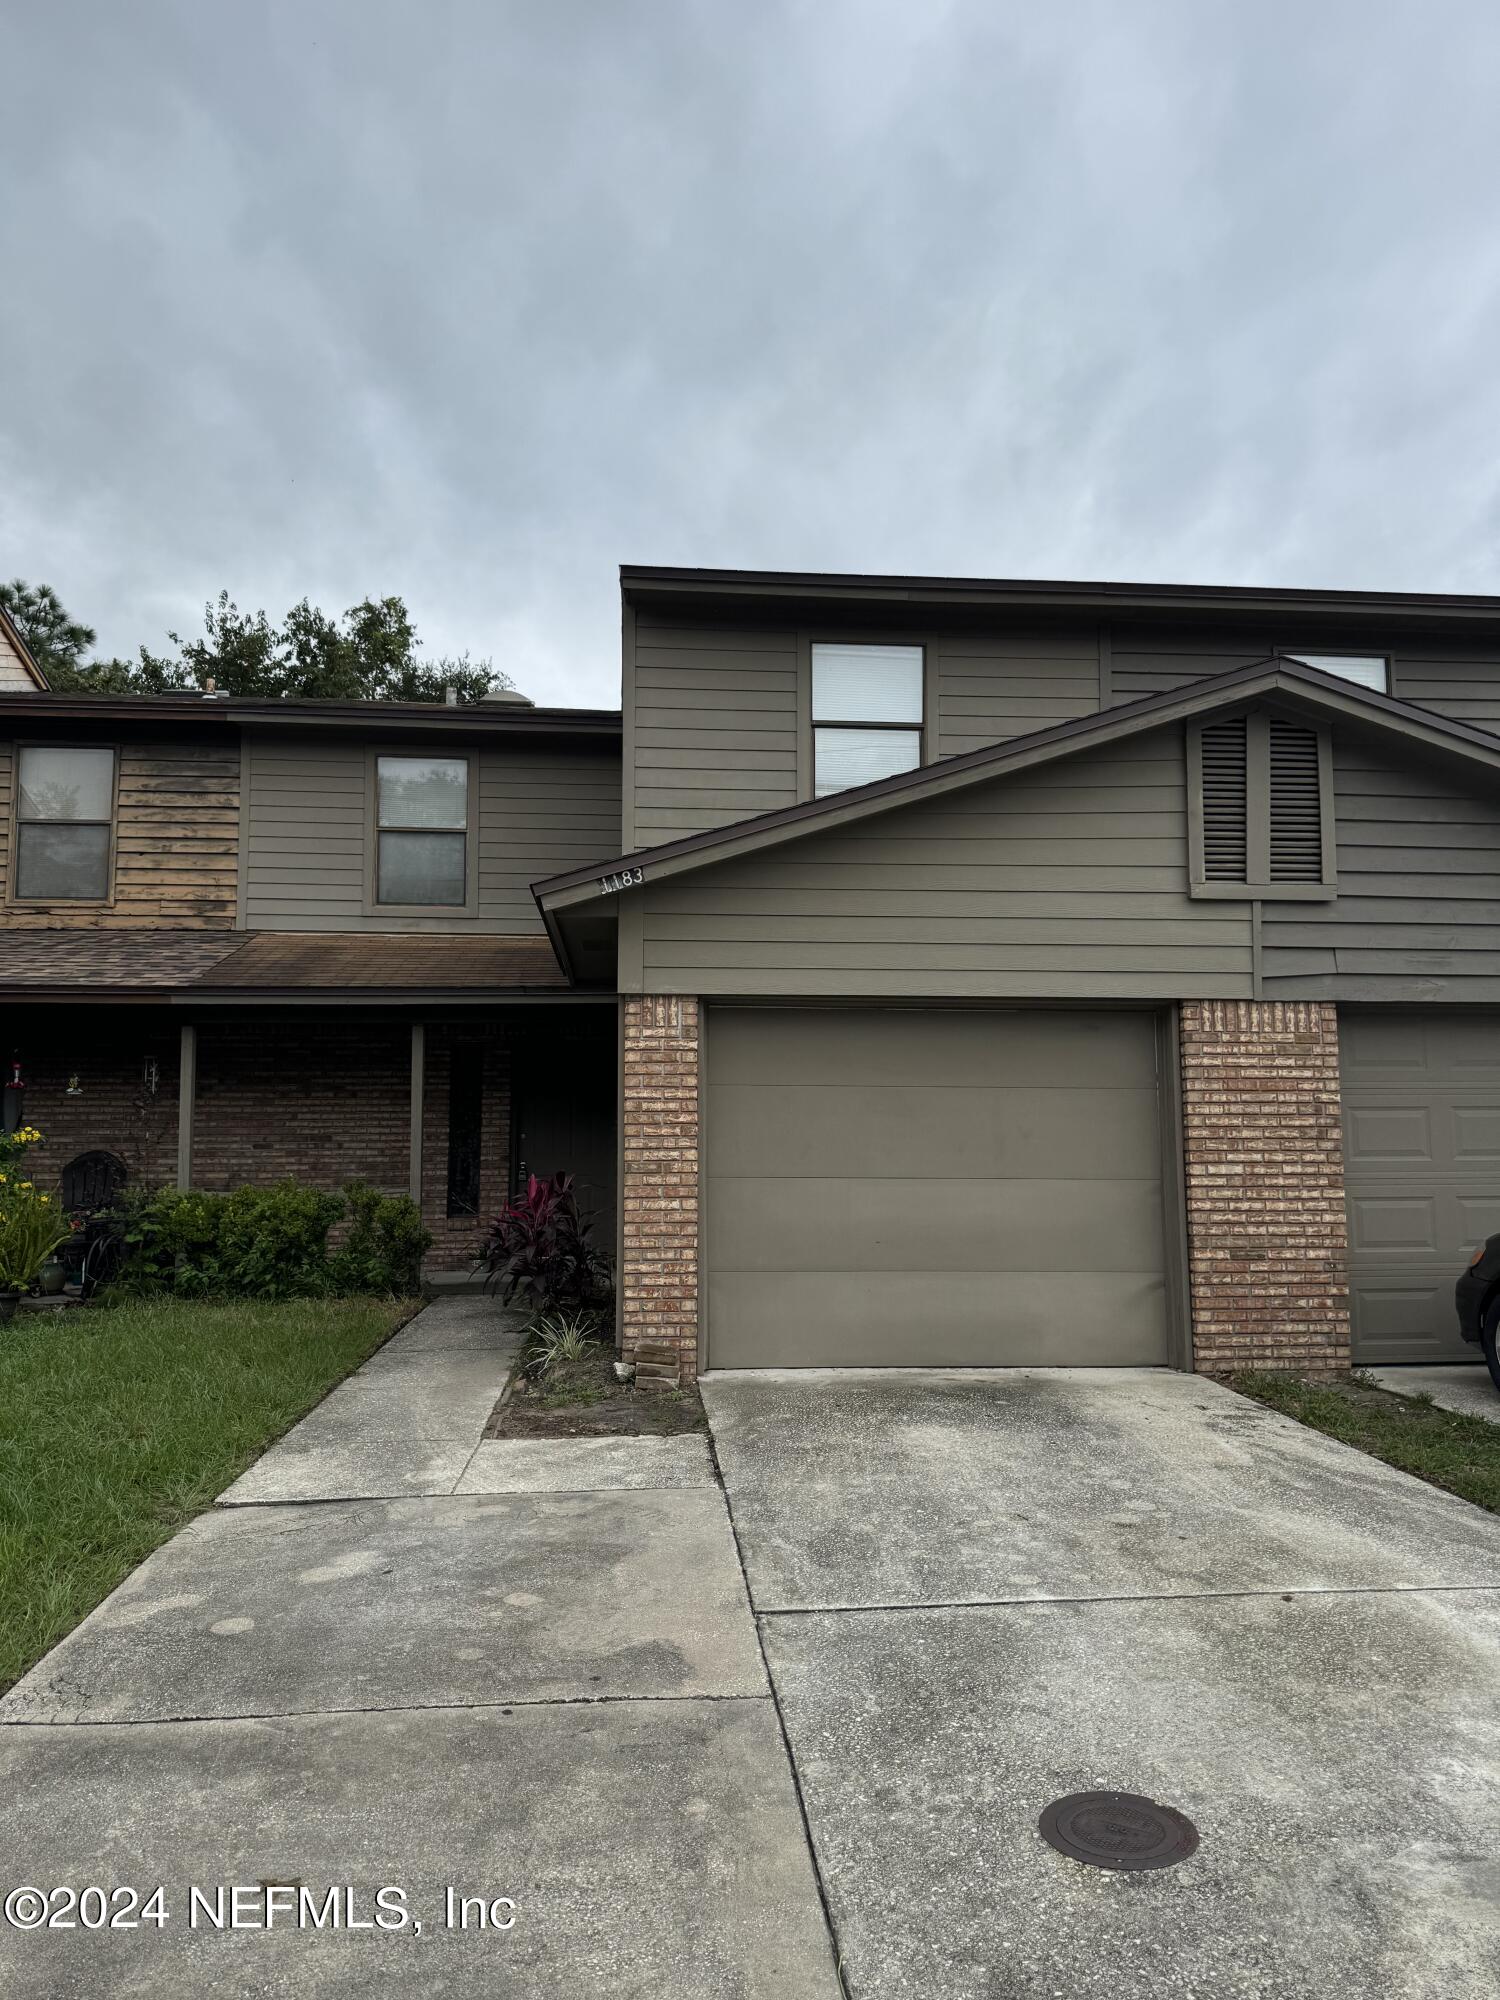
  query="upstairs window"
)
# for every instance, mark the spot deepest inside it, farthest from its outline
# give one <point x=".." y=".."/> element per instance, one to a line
<point x="422" y="831"/>
<point x="65" y="801"/>
<point x="1371" y="670"/>
<point x="1260" y="808"/>
<point x="866" y="712"/>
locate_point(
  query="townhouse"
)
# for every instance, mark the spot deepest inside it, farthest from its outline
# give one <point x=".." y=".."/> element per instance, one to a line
<point x="915" y="970"/>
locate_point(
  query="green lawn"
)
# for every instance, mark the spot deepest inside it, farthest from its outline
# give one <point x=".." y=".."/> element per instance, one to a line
<point x="119" y="1423"/>
<point x="1459" y="1453"/>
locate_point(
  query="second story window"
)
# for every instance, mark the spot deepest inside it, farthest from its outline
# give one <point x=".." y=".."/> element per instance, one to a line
<point x="1371" y="670"/>
<point x="422" y="831"/>
<point x="866" y="712"/>
<point x="65" y="802"/>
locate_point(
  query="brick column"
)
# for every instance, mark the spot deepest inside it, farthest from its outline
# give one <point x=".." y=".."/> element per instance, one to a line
<point x="659" y="1190"/>
<point x="1267" y="1240"/>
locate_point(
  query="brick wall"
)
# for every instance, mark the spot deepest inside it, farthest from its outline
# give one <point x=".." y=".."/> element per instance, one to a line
<point x="659" y="1195"/>
<point x="125" y="1066"/>
<point x="327" y="1101"/>
<point x="1267" y="1243"/>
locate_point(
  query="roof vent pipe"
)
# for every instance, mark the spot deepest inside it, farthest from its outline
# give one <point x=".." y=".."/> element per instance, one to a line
<point x="450" y="696"/>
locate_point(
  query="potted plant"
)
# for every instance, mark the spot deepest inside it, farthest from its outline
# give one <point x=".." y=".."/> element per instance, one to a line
<point x="31" y="1228"/>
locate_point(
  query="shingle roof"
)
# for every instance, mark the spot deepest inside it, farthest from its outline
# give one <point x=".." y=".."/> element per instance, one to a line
<point x="84" y="958"/>
<point x="370" y="962"/>
<point x="224" y="962"/>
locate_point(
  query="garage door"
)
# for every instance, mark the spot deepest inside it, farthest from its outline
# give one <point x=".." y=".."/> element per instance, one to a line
<point x="965" y="1189"/>
<point x="1422" y="1172"/>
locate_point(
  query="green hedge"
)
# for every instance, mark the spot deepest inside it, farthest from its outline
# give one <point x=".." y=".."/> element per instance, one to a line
<point x="272" y="1242"/>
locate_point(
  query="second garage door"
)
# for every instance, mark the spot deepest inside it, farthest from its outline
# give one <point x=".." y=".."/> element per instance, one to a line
<point x="1422" y="1172"/>
<point x="933" y="1188"/>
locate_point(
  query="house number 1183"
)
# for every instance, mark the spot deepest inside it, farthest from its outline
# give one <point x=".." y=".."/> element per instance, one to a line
<point x="611" y="885"/>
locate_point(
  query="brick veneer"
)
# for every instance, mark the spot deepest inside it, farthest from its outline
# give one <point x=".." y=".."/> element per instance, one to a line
<point x="659" y="1193"/>
<point x="326" y="1100"/>
<point x="1267" y="1239"/>
<point x="126" y="1066"/>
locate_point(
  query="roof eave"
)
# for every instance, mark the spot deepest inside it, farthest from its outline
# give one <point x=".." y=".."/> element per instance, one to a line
<point x="644" y="580"/>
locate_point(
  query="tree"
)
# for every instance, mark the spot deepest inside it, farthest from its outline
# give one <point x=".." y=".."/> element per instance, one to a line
<point x="370" y="654"/>
<point x="55" y="641"/>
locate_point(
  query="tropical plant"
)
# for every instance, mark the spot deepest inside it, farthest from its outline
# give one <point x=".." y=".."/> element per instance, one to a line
<point x="554" y="1339"/>
<point x="541" y="1251"/>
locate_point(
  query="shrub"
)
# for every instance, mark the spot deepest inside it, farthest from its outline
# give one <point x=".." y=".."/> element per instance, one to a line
<point x="264" y="1243"/>
<point x="385" y="1244"/>
<point x="170" y="1237"/>
<point x="541" y="1251"/>
<point x="273" y="1242"/>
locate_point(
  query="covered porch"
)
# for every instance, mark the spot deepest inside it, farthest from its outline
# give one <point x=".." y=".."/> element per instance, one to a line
<point x="454" y="1095"/>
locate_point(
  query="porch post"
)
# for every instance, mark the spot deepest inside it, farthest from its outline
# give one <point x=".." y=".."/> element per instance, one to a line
<point x="187" y="1094"/>
<point x="418" y="1071"/>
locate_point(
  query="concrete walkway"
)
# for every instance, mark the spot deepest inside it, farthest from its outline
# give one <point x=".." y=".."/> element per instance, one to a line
<point x="981" y="1591"/>
<point x="545" y="1686"/>
<point x="1468" y="1391"/>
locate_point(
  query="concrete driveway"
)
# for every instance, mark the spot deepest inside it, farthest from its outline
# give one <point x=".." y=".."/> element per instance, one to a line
<point x="978" y="1592"/>
<point x="351" y="1676"/>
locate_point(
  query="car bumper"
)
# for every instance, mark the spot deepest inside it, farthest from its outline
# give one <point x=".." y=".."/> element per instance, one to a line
<point x="1469" y="1296"/>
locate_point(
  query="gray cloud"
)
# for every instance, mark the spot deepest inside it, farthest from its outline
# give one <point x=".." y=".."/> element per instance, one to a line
<point x="474" y="301"/>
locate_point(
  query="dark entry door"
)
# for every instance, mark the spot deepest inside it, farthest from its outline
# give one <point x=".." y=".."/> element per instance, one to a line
<point x="563" y="1094"/>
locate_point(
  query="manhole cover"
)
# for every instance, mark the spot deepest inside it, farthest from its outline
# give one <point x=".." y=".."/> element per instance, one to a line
<point x="1117" y="1830"/>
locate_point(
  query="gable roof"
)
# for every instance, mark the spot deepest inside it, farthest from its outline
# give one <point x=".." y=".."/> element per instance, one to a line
<point x="1323" y="696"/>
<point x="11" y="641"/>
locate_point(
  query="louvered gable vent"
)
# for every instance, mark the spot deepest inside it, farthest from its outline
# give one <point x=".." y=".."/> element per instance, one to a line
<point x="1296" y="810"/>
<point x="1260" y="808"/>
<point x="1226" y="800"/>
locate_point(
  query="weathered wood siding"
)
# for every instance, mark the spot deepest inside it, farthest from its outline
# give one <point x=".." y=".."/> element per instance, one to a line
<point x="541" y="810"/>
<point x="1069" y="881"/>
<point x="14" y="676"/>
<point x="1418" y="910"/>
<point x="176" y="840"/>
<point x="715" y="727"/>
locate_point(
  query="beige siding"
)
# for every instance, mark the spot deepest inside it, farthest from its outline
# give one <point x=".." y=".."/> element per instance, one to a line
<point x="176" y="842"/>
<point x="14" y="676"/>
<point x="1418" y="889"/>
<point x="541" y="810"/>
<point x="1067" y="881"/>
<point x="715" y="727"/>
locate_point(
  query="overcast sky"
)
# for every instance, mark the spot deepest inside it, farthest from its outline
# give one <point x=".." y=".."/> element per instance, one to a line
<point x="472" y="300"/>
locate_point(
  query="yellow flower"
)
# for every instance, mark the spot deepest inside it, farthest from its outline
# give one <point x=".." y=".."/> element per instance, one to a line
<point x="44" y="1197"/>
<point x="27" y="1186"/>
